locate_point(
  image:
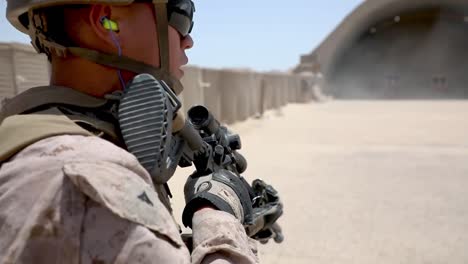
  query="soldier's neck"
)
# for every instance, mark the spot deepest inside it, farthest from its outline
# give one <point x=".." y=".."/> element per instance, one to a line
<point x="84" y="76"/>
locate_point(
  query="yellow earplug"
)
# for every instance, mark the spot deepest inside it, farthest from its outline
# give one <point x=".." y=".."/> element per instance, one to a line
<point x="109" y="24"/>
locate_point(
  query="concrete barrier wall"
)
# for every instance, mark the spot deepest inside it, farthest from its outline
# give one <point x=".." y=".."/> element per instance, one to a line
<point x="212" y="92"/>
<point x="284" y="93"/>
<point x="194" y="88"/>
<point x="256" y="97"/>
<point x="235" y="95"/>
<point x="20" y="69"/>
<point x="279" y="86"/>
<point x="231" y="95"/>
<point x="239" y="100"/>
<point x="270" y="95"/>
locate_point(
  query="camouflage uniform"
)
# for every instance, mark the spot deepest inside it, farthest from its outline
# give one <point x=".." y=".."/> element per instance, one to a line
<point x="81" y="199"/>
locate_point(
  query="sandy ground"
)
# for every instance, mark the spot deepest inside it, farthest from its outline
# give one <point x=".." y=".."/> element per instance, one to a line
<point x="363" y="182"/>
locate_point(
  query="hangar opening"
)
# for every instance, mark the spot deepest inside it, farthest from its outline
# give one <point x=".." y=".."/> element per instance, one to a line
<point x="422" y="54"/>
<point x="395" y="52"/>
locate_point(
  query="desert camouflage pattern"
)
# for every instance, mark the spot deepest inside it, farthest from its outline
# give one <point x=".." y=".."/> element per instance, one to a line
<point x="81" y="199"/>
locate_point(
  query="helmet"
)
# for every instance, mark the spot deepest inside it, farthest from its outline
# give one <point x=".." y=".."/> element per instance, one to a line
<point x="177" y="13"/>
<point x="17" y="10"/>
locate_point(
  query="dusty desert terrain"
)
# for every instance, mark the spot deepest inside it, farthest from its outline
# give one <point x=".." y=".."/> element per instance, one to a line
<point x="363" y="181"/>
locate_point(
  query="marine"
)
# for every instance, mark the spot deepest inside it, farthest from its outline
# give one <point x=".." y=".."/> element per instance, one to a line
<point x="70" y="189"/>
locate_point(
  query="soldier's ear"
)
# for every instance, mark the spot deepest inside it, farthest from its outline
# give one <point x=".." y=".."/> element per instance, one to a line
<point x="100" y="18"/>
<point x="108" y="24"/>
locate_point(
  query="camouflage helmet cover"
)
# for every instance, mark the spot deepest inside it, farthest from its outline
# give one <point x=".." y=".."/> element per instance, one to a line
<point x="16" y="9"/>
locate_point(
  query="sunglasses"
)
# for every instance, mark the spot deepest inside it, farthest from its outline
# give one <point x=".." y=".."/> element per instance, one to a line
<point x="180" y="15"/>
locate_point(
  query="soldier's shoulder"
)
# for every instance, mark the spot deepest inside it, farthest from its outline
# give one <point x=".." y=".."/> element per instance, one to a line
<point x="100" y="171"/>
<point x="125" y="194"/>
<point x="62" y="149"/>
<point x="63" y="174"/>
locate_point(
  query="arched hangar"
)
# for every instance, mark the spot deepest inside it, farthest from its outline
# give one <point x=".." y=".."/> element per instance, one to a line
<point x="396" y="49"/>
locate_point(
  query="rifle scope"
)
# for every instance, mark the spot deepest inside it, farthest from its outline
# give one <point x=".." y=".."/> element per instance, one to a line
<point x="202" y="119"/>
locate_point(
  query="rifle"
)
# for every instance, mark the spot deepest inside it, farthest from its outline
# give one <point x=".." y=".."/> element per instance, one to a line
<point x="157" y="133"/>
<point x="213" y="147"/>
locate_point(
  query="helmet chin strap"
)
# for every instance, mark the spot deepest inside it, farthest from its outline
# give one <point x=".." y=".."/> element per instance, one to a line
<point x="127" y="64"/>
<point x="162" y="23"/>
<point x="160" y="9"/>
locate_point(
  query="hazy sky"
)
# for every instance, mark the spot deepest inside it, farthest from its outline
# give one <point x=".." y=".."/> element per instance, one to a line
<point x="257" y="34"/>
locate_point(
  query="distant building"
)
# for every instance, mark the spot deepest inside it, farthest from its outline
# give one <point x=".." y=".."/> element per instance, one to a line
<point x="396" y="49"/>
<point x="21" y="68"/>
